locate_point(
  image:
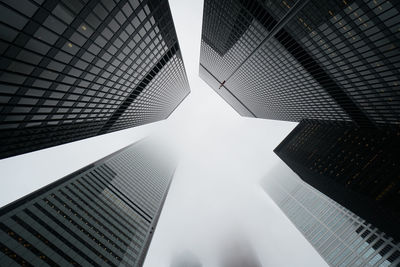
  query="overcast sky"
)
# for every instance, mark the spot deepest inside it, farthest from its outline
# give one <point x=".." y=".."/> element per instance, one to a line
<point x="216" y="190"/>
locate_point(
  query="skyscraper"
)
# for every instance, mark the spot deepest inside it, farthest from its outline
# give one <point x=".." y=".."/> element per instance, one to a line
<point x="293" y="60"/>
<point x="357" y="167"/>
<point x="104" y="214"/>
<point x="334" y="64"/>
<point x="341" y="237"/>
<point x="76" y="69"/>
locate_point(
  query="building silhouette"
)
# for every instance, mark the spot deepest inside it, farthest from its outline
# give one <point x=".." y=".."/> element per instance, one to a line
<point x="334" y="66"/>
<point x="73" y="70"/>
<point x="292" y="60"/>
<point x="341" y="237"/>
<point x="104" y="214"/>
<point x="357" y="167"/>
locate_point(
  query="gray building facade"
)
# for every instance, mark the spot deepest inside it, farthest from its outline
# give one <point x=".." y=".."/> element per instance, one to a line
<point x="357" y="167"/>
<point x="292" y="60"/>
<point x="335" y="63"/>
<point x="73" y="69"/>
<point x="102" y="215"/>
<point x="341" y="237"/>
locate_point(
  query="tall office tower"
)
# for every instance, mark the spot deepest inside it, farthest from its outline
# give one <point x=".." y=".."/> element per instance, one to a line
<point x="357" y="167"/>
<point x="102" y="215"/>
<point x="72" y="69"/>
<point x="341" y="237"/>
<point x="323" y="61"/>
<point x="306" y="59"/>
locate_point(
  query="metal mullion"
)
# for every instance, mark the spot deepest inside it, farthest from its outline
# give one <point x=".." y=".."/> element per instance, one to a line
<point x="332" y="93"/>
<point x="115" y="249"/>
<point x="116" y="217"/>
<point x="49" y="209"/>
<point x="280" y="24"/>
<point x="95" y="180"/>
<point x="21" y="40"/>
<point x="229" y="91"/>
<point x="372" y="47"/>
<point x="122" y="108"/>
<point x="137" y="44"/>
<point x="50" y="5"/>
<point x="125" y="44"/>
<point x="52" y="113"/>
<point x="45" y="89"/>
<point x="101" y="218"/>
<point x="347" y="19"/>
<point x="48" y="69"/>
<point x="79" y="18"/>
<point x="61" y="40"/>
<point x="58" y="132"/>
<point x="48" y="98"/>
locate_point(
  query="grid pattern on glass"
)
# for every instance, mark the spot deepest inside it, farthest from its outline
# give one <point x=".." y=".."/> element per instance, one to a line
<point x="356" y="42"/>
<point x="154" y="103"/>
<point x="355" y="166"/>
<point x="360" y="160"/>
<point x="274" y="85"/>
<point x="93" y="217"/>
<point x="339" y="236"/>
<point x="144" y="186"/>
<point x="230" y="34"/>
<point x="225" y="94"/>
<point x="358" y="83"/>
<point x="73" y="65"/>
<point x="246" y="85"/>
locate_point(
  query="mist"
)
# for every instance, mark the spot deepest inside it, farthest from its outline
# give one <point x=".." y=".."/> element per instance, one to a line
<point x="216" y="188"/>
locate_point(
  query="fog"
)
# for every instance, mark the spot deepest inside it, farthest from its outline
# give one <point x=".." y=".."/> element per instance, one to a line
<point x="23" y="174"/>
<point x="216" y="189"/>
<point x="236" y="251"/>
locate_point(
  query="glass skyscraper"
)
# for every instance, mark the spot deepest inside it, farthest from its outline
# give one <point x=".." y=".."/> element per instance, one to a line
<point x="102" y="215"/>
<point x="334" y="66"/>
<point x="341" y="237"/>
<point x="357" y="167"/>
<point x="72" y="69"/>
<point x="292" y="60"/>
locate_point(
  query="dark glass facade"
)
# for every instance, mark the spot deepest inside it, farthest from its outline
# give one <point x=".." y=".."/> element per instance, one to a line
<point x="102" y="215"/>
<point x="293" y="60"/>
<point x="357" y="167"/>
<point x="334" y="66"/>
<point x="341" y="237"/>
<point x="72" y="69"/>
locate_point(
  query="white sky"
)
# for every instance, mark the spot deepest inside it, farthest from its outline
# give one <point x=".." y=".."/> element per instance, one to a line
<point x="216" y="187"/>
